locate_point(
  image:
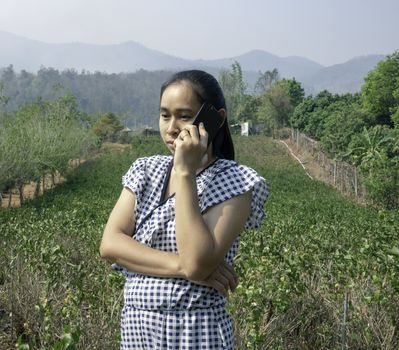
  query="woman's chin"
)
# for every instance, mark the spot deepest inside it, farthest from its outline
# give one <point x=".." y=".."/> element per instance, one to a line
<point x="171" y="147"/>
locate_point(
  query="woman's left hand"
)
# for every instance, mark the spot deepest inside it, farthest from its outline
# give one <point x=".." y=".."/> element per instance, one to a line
<point x="223" y="279"/>
<point x="190" y="149"/>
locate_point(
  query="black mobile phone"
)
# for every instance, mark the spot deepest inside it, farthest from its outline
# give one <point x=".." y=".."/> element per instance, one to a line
<point x="211" y="119"/>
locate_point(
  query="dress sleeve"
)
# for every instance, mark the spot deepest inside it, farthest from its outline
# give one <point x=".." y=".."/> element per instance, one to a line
<point x="235" y="181"/>
<point x="135" y="180"/>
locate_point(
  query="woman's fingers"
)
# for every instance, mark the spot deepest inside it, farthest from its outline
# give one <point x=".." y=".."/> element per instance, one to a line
<point x="213" y="283"/>
<point x="233" y="278"/>
<point x="197" y="135"/>
<point x="222" y="279"/>
<point x="218" y="285"/>
<point x="190" y="131"/>
<point x="177" y="142"/>
<point x="184" y="133"/>
<point x="228" y="275"/>
<point x="203" y="134"/>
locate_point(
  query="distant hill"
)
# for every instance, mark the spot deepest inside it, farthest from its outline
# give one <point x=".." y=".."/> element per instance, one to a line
<point x="130" y="56"/>
<point x="258" y="60"/>
<point x="31" y="55"/>
<point x="345" y="77"/>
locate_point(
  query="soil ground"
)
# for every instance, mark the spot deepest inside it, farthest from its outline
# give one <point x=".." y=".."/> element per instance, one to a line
<point x="7" y="340"/>
<point x="307" y="160"/>
<point x="29" y="188"/>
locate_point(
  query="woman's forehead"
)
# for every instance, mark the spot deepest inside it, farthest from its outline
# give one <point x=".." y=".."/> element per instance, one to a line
<point x="181" y="93"/>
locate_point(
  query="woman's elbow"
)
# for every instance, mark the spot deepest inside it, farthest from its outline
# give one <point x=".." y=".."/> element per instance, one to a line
<point x="196" y="271"/>
<point x="105" y="249"/>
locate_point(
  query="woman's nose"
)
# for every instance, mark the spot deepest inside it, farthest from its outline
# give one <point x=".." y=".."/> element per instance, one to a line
<point x="173" y="127"/>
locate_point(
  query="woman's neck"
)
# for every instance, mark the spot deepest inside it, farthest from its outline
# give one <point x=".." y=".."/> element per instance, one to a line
<point x="210" y="159"/>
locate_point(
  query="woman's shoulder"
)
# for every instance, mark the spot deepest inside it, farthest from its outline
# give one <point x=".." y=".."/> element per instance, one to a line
<point x="229" y="177"/>
<point x="157" y="160"/>
<point x="230" y="168"/>
<point x="145" y="172"/>
<point x="232" y="179"/>
<point x="154" y="161"/>
<point x="144" y="167"/>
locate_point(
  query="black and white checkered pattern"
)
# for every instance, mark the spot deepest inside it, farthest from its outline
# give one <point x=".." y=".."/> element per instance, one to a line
<point x="209" y="328"/>
<point x="174" y="313"/>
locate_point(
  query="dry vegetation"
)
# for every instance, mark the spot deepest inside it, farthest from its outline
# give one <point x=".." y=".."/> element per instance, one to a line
<point x="315" y="251"/>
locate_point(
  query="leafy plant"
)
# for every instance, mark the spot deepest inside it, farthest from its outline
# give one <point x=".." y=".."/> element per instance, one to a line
<point x="314" y="248"/>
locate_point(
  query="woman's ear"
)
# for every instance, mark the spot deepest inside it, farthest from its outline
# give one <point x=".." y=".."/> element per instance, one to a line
<point x="223" y="114"/>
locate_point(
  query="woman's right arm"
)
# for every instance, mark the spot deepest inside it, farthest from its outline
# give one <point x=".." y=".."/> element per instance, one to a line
<point x="118" y="246"/>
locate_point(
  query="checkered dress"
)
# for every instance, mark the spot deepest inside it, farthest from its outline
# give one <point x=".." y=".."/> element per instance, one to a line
<point x="174" y="313"/>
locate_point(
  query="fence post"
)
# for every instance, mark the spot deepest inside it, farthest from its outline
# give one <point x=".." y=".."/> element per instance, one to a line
<point x="335" y="172"/>
<point x="341" y="178"/>
<point x="297" y="139"/>
<point x="356" y="182"/>
<point x="344" y="342"/>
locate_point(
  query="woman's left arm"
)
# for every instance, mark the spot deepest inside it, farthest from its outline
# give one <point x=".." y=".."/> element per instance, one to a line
<point x="204" y="240"/>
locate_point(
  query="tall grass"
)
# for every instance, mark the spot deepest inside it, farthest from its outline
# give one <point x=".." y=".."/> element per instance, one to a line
<point x="314" y="248"/>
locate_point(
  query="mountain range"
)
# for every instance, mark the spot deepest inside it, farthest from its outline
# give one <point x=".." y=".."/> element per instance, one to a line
<point x="31" y="55"/>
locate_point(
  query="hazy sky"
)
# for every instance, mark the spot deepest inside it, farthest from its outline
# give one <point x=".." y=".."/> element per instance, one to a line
<point x="327" y="31"/>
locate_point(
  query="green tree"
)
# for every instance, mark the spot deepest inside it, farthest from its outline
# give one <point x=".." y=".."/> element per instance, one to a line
<point x="376" y="151"/>
<point x="346" y="117"/>
<point x="381" y="90"/>
<point x="294" y="89"/>
<point x="370" y="146"/>
<point x="106" y="126"/>
<point x="277" y="100"/>
<point x="3" y="98"/>
<point x="233" y="86"/>
<point x="311" y="114"/>
<point x="266" y="80"/>
<point x="300" y="117"/>
<point x="39" y="139"/>
<point x="275" y="108"/>
<point x="248" y="109"/>
<point x="395" y="119"/>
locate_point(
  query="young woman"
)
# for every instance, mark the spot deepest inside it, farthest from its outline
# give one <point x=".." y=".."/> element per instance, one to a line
<point x="185" y="213"/>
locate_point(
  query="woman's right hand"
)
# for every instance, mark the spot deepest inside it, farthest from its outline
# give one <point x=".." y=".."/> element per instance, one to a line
<point x="223" y="279"/>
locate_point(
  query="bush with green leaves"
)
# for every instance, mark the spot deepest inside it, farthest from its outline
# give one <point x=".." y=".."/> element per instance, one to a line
<point x="381" y="90"/>
<point x="314" y="249"/>
<point x="376" y="152"/>
<point x="361" y="129"/>
<point x="41" y="138"/>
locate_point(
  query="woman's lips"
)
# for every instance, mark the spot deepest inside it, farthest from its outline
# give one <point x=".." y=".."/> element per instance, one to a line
<point x="170" y="144"/>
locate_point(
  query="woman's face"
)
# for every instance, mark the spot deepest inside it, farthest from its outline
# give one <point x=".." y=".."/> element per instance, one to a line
<point x="179" y="105"/>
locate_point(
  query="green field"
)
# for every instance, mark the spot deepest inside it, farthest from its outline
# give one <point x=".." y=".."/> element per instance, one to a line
<point x="321" y="273"/>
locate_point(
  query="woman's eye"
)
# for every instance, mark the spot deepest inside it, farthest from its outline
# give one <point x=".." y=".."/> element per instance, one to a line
<point x="164" y="116"/>
<point x="186" y="117"/>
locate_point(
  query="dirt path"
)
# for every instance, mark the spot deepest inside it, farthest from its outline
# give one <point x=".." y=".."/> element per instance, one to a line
<point x="309" y="164"/>
<point x="30" y="188"/>
<point x="7" y="340"/>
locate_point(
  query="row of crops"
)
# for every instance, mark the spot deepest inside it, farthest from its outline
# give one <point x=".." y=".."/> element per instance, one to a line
<point x="321" y="273"/>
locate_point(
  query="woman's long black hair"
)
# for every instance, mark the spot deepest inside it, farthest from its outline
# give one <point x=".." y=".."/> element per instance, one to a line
<point x="207" y="89"/>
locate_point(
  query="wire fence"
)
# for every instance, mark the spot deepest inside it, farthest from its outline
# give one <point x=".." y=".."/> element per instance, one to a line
<point x="343" y="176"/>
